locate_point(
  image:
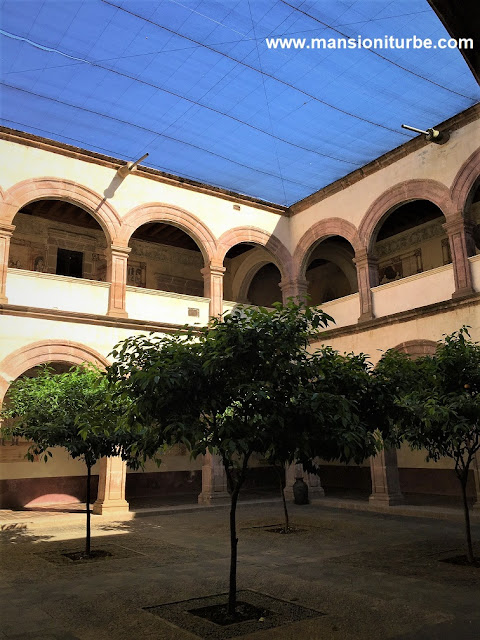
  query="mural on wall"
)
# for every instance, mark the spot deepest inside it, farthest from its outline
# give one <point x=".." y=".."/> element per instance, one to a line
<point x="99" y="267"/>
<point x="402" y="266"/>
<point x="40" y="263"/>
<point x="27" y="255"/>
<point x="137" y="274"/>
<point x="446" y="254"/>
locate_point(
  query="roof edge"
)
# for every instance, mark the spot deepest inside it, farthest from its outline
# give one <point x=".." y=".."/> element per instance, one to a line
<point x="47" y="144"/>
<point x="455" y="122"/>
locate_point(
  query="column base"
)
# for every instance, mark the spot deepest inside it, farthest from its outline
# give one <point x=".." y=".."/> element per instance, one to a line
<point x="3" y="300"/>
<point x="116" y="313"/>
<point x="366" y="317"/>
<point x="217" y="497"/>
<point x="110" y="506"/>
<point x="463" y="293"/>
<point x="385" y="500"/>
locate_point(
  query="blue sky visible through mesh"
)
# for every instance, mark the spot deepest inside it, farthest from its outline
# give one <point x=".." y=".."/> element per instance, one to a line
<point x="194" y="84"/>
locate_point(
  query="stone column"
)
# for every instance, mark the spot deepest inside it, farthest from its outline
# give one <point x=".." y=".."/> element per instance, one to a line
<point x="367" y="276"/>
<point x="6" y="231"/>
<point x="111" y="486"/>
<point x="294" y="471"/>
<point x="214" y="481"/>
<point x="117" y="275"/>
<point x="385" y="478"/>
<point x="459" y="233"/>
<point x="213" y="288"/>
<point x="295" y="288"/>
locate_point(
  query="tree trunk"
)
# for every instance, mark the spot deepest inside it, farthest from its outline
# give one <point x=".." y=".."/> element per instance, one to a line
<point x="232" y="590"/>
<point x="236" y="486"/>
<point x="466" y="511"/>
<point x="89" y="478"/>
<point x="282" y="493"/>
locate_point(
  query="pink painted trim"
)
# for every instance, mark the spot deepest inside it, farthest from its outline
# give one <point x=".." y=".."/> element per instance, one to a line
<point x="465" y="182"/>
<point x="322" y="230"/>
<point x="400" y="194"/>
<point x="28" y="191"/>
<point x="44" y="351"/>
<point x="281" y="255"/>
<point x="167" y="213"/>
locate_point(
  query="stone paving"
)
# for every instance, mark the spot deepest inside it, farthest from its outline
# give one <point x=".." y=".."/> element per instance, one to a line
<point x="373" y="575"/>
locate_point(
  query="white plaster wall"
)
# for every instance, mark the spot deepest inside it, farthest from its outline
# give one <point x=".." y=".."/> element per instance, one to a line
<point x="49" y="291"/>
<point x="475" y="266"/>
<point x="435" y="162"/>
<point x="17" y="332"/>
<point x="217" y="213"/>
<point x="345" y="311"/>
<point x="375" y="341"/>
<point x="415" y="291"/>
<point x="60" y="464"/>
<point x="160" y="306"/>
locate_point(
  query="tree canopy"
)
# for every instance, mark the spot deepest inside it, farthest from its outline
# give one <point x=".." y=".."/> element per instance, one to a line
<point x="247" y="384"/>
<point x="435" y="404"/>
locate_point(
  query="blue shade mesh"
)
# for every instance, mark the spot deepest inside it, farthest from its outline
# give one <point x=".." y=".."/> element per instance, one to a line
<point x="193" y="83"/>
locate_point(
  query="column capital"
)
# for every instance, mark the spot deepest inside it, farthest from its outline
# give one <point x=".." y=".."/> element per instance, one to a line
<point x="6" y="230"/>
<point x="293" y="287"/>
<point x="457" y="224"/>
<point x="364" y="257"/>
<point x="213" y="269"/>
<point x="120" y="250"/>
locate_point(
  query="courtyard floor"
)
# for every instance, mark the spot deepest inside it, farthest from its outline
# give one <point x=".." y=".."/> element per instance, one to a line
<point x="371" y="575"/>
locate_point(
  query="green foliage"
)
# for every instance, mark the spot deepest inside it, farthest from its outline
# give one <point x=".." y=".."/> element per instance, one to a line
<point x="338" y="405"/>
<point x="442" y="413"/>
<point x="247" y="383"/>
<point x="73" y="410"/>
<point x="395" y="375"/>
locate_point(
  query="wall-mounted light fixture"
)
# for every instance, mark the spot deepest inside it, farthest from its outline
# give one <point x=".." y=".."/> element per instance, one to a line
<point x="125" y="169"/>
<point x="431" y="135"/>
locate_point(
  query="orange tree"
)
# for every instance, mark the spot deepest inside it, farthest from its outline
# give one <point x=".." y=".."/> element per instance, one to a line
<point x="433" y="403"/>
<point x="73" y="410"/>
<point x="243" y="385"/>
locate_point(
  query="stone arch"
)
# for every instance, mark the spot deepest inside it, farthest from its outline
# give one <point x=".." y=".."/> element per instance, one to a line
<point x="28" y="191"/>
<point x="255" y="260"/>
<point x="417" y="348"/>
<point x="322" y="230"/>
<point x="465" y="182"/>
<point x="169" y="214"/>
<point x="401" y="193"/>
<point x="281" y="257"/>
<point x="36" y="353"/>
<point x="341" y="258"/>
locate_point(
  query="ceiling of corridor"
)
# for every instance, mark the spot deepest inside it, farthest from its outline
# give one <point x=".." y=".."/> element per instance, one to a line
<point x="195" y="84"/>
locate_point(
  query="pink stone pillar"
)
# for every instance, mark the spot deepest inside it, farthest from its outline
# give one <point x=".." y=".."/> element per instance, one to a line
<point x="294" y="471"/>
<point x="111" y="486"/>
<point x="117" y="274"/>
<point x="385" y="479"/>
<point x="6" y="231"/>
<point x="213" y="288"/>
<point x="295" y="288"/>
<point x="461" y="246"/>
<point x="214" y="481"/>
<point x="367" y="276"/>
